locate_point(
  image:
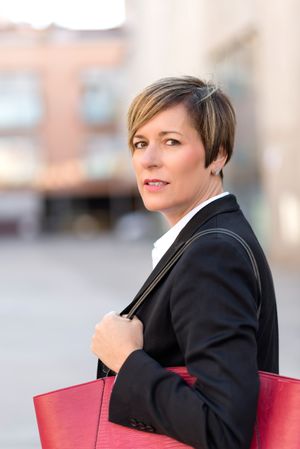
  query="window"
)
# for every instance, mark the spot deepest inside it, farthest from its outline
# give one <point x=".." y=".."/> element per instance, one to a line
<point x="20" y="100"/>
<point x="100" y="96"/>
<point x="19" y="161"/>
<point x="105" y="157"/>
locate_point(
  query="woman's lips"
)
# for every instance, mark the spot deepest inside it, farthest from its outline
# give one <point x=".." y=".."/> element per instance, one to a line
<point x="154" y="185"/>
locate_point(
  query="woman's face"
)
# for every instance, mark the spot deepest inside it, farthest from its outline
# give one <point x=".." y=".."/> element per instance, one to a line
<point x="169" y="163"/>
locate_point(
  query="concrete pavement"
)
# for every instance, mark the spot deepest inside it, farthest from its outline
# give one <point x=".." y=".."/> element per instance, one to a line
<point x="53" y="291"/>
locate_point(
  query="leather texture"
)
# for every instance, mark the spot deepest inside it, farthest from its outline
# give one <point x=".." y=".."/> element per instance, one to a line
<point x="77" y="417"/>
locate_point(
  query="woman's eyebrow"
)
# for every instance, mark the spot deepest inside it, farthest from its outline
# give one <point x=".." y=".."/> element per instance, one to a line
<point x="163" y="133"/>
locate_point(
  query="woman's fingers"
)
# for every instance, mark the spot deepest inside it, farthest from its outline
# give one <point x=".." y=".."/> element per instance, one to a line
<point x="115" y="338"/>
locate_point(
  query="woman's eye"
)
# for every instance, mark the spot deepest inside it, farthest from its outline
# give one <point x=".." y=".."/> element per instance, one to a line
<point x="172" y="142"/>
<point x="139" y="145"/>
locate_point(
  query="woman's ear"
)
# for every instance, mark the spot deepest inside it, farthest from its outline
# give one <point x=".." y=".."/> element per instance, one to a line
<point x="218" y="164"/>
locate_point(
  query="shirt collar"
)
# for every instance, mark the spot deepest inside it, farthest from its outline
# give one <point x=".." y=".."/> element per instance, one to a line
<point x="162" y="245"/>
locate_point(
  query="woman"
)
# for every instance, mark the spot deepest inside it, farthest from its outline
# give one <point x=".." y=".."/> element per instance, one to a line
<point x="203" y="314"/>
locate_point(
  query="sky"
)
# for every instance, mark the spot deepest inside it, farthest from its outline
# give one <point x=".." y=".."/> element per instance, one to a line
<point x="72" y="14"/>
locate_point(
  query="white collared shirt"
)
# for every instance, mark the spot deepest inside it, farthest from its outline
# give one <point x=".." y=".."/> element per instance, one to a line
<point x="162" y="245"/>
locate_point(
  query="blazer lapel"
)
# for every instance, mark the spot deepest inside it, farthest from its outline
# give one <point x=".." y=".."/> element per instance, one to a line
<point x="224" y="204"/>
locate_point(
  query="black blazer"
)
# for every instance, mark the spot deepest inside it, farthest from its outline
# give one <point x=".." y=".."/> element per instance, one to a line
<point x="202" y="315"/>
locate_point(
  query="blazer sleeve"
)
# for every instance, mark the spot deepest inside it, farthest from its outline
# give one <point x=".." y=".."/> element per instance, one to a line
<point x="213" y="313"/>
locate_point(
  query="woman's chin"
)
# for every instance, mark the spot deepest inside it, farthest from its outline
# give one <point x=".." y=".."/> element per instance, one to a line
<point x="152" y="207"/>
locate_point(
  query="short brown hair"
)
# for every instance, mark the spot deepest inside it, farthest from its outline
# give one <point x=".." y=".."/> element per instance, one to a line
<point x="211" y="111"/>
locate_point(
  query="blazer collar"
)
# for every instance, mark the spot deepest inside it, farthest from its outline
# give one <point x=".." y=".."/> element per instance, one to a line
<point x="225" y="204"/>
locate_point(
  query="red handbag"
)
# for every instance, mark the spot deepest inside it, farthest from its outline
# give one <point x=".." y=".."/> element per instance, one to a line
<point x="77" y="418"/>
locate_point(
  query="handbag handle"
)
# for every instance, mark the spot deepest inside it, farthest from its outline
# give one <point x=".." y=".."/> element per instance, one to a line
<point x="179" y="253"/>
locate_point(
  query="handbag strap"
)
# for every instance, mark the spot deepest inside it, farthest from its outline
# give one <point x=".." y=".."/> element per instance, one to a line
<point x="182" y="249"/>
<point x="178" y="254"/>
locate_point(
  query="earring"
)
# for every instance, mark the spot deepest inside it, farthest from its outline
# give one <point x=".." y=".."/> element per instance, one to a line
<point x="217" y="172"/>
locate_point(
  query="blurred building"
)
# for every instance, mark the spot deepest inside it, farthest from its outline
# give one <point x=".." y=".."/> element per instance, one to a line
<point x="64" y="95"/>
<point x="62" y="148"/>
<point x="252" y="50"/>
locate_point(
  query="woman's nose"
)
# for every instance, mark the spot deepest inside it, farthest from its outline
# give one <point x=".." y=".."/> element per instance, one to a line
<point x="151" y="156"/>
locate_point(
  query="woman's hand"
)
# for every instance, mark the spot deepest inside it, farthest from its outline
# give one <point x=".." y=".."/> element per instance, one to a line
<point x="115" y="338"/>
